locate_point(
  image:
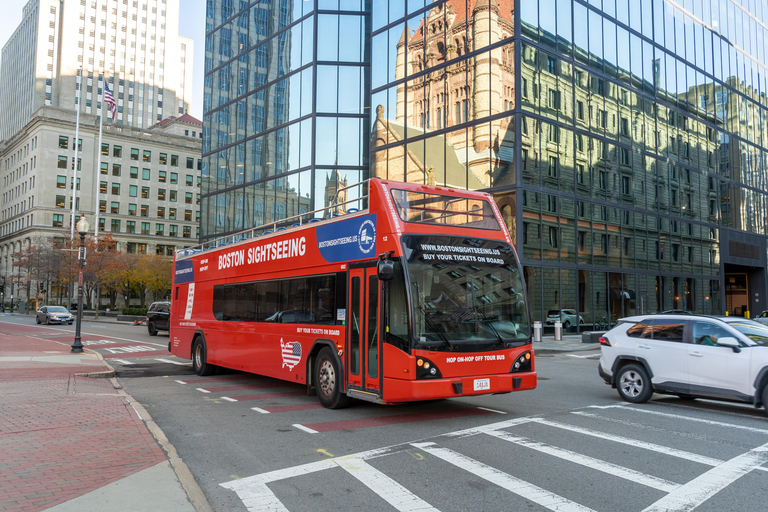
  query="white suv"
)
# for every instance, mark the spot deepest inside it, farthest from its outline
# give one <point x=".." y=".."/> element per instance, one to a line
<point x="724" y="358"/>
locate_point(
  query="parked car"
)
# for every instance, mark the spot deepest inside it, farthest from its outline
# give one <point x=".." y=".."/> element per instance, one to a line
<point x="158" y="317"/>
<point x="567" y="316"/>
<point x="762" y="318"/>
<point x="722" y="358"/>
<point x="54" y="315"/>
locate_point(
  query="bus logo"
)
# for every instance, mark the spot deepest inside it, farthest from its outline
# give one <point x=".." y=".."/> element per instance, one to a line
<point x="291" y="352"/>
<point x="366" y="238"/>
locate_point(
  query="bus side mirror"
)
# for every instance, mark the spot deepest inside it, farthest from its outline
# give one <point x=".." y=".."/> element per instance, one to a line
<point x="385" y="268"/>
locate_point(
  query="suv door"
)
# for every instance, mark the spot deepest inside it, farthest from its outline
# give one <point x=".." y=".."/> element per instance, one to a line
<point x="163" y="315"/>
<point x="663" y="348"/>
<point x="714" y="370"/>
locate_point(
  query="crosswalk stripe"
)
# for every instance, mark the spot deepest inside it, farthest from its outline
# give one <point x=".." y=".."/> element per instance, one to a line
<point x="389" y="490"/>
<point x="179" y="363"/>
<point x="590" y="462"/>
<point x="689" y="496"/>
<point x="524" y="489"/>
<point x="702" y="459"/>
<point x="696" y="420"/>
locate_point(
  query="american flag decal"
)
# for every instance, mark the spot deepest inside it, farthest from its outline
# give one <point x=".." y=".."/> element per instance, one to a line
<point x="291" y="353"/>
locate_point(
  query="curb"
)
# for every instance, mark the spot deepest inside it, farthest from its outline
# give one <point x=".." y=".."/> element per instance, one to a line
<point x="195" y="494"/>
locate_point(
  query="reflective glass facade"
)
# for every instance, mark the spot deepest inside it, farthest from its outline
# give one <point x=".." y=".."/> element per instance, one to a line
<point x="623" y="140"/>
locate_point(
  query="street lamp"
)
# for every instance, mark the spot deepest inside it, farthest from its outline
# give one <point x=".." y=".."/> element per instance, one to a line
<point x="82" y="228"/>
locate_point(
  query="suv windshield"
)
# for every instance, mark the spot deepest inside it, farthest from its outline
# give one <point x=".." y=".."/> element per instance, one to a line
<point x="752" y="330"/>
<point x="465" y="291"/>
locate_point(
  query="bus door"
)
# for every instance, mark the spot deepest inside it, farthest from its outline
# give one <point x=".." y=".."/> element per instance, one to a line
<point x="363" y="352"/>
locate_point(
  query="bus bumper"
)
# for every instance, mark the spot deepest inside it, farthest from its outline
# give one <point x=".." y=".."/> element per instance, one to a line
<point x="396" y="390"/>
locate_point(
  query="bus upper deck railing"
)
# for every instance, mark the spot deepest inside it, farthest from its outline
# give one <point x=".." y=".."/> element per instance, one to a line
<point x="335" y="209"/>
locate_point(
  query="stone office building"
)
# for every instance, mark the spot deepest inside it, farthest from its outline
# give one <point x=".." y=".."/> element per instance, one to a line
<point x="622" y="140"/>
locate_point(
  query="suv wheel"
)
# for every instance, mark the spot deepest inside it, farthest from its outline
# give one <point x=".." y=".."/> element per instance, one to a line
<point x="765" y="397"/>
<point x="633" y="384"/>
<point x="151" y="329"/>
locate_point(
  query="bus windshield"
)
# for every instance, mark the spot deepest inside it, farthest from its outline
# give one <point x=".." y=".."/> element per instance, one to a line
<point x="465" y="292"/>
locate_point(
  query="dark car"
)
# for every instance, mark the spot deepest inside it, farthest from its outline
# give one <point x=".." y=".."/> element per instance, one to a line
<point x="158" y="317"/>
<point x="54" y="315"/>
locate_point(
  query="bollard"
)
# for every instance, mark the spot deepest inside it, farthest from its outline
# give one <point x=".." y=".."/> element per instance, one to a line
<point x="558" y="330"/>
<point x="536" y="331"/>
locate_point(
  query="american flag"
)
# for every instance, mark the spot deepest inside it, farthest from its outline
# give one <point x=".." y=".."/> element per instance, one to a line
<point x="291" y="353"/>
<point x="110" y="100"/>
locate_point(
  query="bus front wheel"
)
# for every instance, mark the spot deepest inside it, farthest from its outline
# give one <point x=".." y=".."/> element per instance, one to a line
<point x="199" y="359"/>
<point x="328" y="381"/>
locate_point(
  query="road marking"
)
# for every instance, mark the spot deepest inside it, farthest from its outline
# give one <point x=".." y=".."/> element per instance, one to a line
<point x="387" y="489"/>
<point x="395" y="419"/>
<point x="591" y="356"/>
<point x="689" y="496"/>
<point x="590" y="462"/>
<point x="202" y="390"/>
<point x="258" y="409"/>
<point x="522" y="488"/>
<point x="180" y="381"/>
<point x="305" y="429"/>
<point x="696" y="420"/>
<point x="228" y="399"/>
<point x="492" y="410"/>
<point x="122" y="361"/>
<point x="490" y="427"/>
<point x="179" y="363"/>
<point x="693" y="457"/>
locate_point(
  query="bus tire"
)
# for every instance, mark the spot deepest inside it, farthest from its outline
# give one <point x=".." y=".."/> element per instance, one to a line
<point x="328" y="381"/>
<point x="199" y="358"/>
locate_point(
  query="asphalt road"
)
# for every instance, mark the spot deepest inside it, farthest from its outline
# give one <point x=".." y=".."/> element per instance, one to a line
<point x="260" y="444"/>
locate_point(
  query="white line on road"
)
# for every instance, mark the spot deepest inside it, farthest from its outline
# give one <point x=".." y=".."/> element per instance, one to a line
<point x="228" y="399"/>
<point x="305" y="429"/>
<point x="524" y="489"/>
<point x="179" y="363"/>
<point x="590" y="462"/>
<point x="259" y="409"/>
<point x="180" y="381"/>
<point x="592" y="356"/>
<point x="202" y="390"/>
<point x="689" y="496"/>
<point x="666" y="450"/>
<point x="697" y="420"/>
<point x="492" y="410"/>
<point x="387" y="489"/>
<point x="122" y="361"/>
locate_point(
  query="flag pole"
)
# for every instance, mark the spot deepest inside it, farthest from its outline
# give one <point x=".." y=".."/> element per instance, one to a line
<point x="98" y="164"/>
<point x="73" y="186"/>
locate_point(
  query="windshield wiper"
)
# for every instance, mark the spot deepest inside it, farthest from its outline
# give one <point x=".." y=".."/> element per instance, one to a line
<point x="434" y="328"/>
<point x="478" y="311"/>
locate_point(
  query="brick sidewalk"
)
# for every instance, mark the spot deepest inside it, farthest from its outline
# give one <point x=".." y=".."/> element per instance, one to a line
<point x="62" y="435"/>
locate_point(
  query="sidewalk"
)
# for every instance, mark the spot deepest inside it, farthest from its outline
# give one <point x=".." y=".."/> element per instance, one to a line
<point x="75" y="443"/>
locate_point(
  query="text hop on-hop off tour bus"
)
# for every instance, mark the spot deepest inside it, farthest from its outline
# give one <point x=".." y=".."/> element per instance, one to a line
<point x="416" y="293"/>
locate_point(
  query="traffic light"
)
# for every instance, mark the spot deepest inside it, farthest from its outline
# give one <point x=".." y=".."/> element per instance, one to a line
<point x="2" y="288"/>
<point x="42" y="287"/>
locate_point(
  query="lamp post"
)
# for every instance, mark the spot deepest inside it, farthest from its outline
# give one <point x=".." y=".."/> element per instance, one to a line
<point x="82" y="228"/>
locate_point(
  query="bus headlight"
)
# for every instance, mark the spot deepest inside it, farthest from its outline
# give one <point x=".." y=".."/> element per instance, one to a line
<point x="522" y="363"/>
<point x="426" y="369"/>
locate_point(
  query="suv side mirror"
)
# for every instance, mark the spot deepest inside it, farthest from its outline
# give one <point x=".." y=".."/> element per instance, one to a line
<point x="729" y="342"/>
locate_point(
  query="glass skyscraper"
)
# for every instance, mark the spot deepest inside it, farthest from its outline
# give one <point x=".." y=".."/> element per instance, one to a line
<point x="623" y="140"/>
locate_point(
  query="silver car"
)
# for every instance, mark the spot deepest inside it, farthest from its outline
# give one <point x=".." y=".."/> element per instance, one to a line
<point x="762" y="318"/>
<point x="54" y="315"/>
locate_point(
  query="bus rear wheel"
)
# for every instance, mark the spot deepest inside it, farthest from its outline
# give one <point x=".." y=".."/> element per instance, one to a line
<point x="328" y="381"/>
<point x="199" y="358"/>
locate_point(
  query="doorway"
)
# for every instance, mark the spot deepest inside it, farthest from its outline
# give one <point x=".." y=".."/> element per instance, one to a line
<point x="737" y="294"/>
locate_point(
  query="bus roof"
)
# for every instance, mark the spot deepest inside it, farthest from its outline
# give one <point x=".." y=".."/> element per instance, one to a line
<point x="408" y="210"/>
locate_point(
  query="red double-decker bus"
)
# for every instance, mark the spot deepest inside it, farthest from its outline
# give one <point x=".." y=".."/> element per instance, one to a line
<point x="415" y="293"/>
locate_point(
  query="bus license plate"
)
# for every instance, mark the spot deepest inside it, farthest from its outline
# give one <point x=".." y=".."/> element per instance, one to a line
<point x="482" y="384"/>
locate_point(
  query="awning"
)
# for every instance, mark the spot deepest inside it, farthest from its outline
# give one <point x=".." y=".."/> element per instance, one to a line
<point x="618" y="294"/>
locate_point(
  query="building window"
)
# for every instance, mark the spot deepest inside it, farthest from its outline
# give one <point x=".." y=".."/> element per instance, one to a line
<point x="174" y="178"/>
<point x="172" y="196"/>
<point x="134" y="154"/>
<point x="553" y="166"/>
<point x="105" y="149"/>
<point x="115" y="228"/>
<point x="145" y="210"/>
<point x="132" y="190"/>
<point x="173" y="230"/>
<point x="62" y="162"/>
<point x="134" y="172"/>
<point x="145" y="228"/>
<point x="146" y="156"/>
<point x="117" y="151"/>
<point x="163" y="159"/>
<point x="58" y="220"/>
<point x="114" y="207"/>
<point x="186" y="232"/>
<point x="115" y="189"/>
<point x="188" y="197"/>
<point x="161" y="194"/>
<point x="554" y="236"/>
<point x="159" y="229"/>
<point x="61" y="182"/>
<point x="61" y="202"/>
<point x="132" y="209"/>
<point x="174" y="160"/>
<point x="130" y="226"/>
<point x="63" y="142"/>
<point x="190" y="162"/>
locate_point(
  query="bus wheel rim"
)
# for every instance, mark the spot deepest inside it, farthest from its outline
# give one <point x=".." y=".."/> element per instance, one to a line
<point x="327" y="378"/>
<point x="198" y="355"/>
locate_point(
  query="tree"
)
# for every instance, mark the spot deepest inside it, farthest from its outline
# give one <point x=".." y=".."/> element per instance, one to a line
<point x="102" y="258"/>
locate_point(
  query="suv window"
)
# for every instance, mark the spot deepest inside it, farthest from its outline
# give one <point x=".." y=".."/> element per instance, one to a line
<point x="668" y="330"/>
<point x="636" y="331"/>
<point x="707" y="333"/>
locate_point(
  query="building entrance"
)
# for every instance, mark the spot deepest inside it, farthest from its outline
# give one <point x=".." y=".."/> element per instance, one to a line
<point x="737" y="294"/>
